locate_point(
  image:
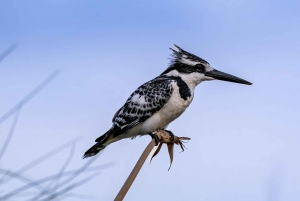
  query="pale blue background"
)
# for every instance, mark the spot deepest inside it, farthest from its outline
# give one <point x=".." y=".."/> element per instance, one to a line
<point x="245" y="139"/>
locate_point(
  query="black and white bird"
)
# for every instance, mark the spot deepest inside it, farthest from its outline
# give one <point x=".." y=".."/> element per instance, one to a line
<point x="158" y="102"/>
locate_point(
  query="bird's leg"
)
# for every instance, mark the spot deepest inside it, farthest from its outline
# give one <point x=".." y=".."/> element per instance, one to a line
<point x="171" y="134"/>
<point x="155" y="137"/>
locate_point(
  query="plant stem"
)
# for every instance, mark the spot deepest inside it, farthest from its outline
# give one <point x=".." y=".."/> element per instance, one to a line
<point x="135" y="171"/>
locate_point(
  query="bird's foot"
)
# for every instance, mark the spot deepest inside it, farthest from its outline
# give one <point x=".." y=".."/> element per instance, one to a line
<point x="171" y="135"/>
<point x="170" y="139"/>
<point x="155" y="137"/>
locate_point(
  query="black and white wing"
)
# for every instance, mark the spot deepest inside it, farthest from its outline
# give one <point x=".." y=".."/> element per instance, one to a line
<point x="143" y="103"/>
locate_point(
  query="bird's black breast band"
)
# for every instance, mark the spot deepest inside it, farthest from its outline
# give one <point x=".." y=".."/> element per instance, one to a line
<point x="184" y="89"/>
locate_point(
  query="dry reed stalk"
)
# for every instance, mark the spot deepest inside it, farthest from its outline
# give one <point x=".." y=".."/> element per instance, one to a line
<point x="164" y="137"/>
<point x="135" y="171"/>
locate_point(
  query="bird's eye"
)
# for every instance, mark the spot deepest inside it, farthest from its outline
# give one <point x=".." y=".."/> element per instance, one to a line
<point x="200" y="68"/>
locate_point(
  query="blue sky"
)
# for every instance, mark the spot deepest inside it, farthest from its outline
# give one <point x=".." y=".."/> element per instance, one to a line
<point x="245" y="139"/>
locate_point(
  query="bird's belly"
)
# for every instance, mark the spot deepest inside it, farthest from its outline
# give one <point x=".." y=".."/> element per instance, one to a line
<point x="171" y="110"/>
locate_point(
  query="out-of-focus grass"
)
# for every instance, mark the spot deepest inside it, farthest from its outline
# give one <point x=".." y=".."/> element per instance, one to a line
<point x="57" y="186"/>
<point x="8" y="51"/>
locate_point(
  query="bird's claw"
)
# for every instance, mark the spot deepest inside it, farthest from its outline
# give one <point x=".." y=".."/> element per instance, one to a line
<point x="170" y="139"/>
<point x="155" y="138"/>
<point x="171" y="134"/>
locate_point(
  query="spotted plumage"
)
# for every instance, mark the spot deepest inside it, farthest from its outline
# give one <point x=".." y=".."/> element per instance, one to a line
<point x="159" y="101"/>
<point x="142" y="104"/>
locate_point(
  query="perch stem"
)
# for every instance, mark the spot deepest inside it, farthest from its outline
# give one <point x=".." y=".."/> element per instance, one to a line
<point x="135" y="171"/>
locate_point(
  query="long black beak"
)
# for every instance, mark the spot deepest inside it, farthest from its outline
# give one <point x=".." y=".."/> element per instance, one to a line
<point x="226" y="77"/>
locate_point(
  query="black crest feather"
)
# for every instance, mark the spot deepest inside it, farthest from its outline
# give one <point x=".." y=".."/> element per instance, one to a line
<point x="179" y="54"/>
<point x="180" y="60"/>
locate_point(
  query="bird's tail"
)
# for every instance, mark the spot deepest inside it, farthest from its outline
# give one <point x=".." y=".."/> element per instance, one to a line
<point x="103" y="141"/>
<point x="94" y="150"/>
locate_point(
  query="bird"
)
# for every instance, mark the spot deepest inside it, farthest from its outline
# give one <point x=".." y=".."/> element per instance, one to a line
<point x="158" y="102"/>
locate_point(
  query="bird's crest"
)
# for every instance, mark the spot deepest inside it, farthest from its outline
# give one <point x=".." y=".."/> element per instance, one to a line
<point x="182" y="56"/>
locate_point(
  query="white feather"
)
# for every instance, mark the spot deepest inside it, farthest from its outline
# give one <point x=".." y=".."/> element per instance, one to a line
<point x="189" y="62"/>
<point x="138" y="99"/>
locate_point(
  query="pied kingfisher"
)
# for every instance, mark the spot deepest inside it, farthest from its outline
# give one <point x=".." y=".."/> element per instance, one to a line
<point x="160" y="101"/>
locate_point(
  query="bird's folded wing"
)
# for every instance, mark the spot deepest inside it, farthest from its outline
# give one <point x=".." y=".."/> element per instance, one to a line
<point x="143" y="103"/>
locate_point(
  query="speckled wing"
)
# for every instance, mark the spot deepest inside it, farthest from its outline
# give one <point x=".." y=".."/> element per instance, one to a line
<point x="143" y="103"/>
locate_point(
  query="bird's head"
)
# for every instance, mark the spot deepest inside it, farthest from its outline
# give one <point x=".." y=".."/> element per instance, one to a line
<point x="193" y="70"/>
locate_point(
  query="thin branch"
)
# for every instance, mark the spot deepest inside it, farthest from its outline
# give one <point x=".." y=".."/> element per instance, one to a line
<point x="78" y="196"/>
<point x="41" y="159"/>
<point x="29" y="96"/>
<point x="49" y="178"/>
<point x="78" y="172"/>
<point x="8" y="51"/>
<point x="164" y="137"/>
<point x="71" y="187"/>
<point x="10" y="134"/>
<point x="56" y="180"/>
<point x="68" y="195"/>
<point x="21" y="178"/>
<point x="69" y="159"/>
<point x="135" y="171"/>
